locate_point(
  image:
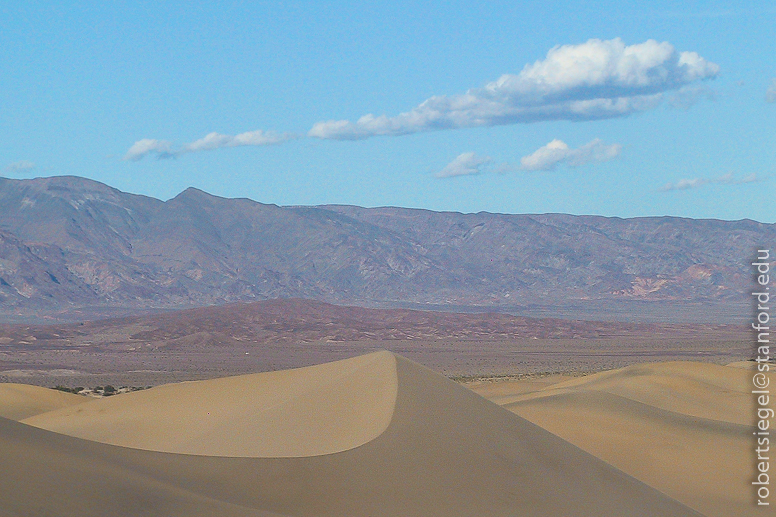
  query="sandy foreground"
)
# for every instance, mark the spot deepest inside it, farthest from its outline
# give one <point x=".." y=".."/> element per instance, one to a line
<point x="684" y="428"/>
<point x="379" y="435"/>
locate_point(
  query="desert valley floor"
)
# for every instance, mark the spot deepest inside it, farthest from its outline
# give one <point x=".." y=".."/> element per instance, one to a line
<point x="541" y="417"/>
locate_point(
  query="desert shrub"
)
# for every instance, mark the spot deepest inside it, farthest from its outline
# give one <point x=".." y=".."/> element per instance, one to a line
<point x="59" y="387"/>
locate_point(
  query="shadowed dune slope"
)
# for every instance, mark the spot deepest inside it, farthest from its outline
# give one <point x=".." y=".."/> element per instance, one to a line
<point x="52" y="475"/>
<point x="20" y="401"/>
<point x="445" y="452"/>
<point x="681" y="427"/>
<point x="302" y="412"/>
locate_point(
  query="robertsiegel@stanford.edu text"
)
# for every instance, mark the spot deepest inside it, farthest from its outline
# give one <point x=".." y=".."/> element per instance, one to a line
<point x="761" y="379"/>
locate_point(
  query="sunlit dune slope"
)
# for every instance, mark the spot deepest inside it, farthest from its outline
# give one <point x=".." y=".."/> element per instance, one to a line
<point x="681" y="427"/>
<point x="692" y="388"/>
<point x="445" y="452"/>
<point x="302" y="412"/>
<point x="20" y="401"/>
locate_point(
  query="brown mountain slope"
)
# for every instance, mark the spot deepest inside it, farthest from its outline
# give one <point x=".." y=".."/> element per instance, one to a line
<point x="121" y="252"/>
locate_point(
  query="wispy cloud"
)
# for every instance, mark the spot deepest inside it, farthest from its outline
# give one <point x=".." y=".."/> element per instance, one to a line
<point x="164" y="149"/>
<point x="217" y="140"/>
<point x="20" y="166"/>
<point x="686" y="97"/>
<point x="549" y="156"/>
<point x="146" y="146"/>
<point x="691" y="183"/>
<point x="685" y="184"/>
<point x="464" y="164"/>
<point x="543" y="159"/>
<point x="770" y="93"/>
<point x="593" y="80"/>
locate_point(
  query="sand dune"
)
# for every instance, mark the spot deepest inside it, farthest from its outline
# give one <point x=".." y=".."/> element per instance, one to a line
<point x="691" y="388"/>
<point x="681" y="427"/>
<point x="302" y="412"/>
<point x="444" y="452"/>
<point x="20" y="401"/>
<point x="48" y="474"/>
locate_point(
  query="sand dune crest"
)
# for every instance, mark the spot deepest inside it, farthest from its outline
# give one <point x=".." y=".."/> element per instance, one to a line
<point x="20" y="401"/>
<point x="681" y="427"/>
<point x="302" y="412"/>
<point x="698" y="389"/>
<point x="445" y="452"/>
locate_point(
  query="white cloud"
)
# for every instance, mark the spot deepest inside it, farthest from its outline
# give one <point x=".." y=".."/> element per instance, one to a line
<point x="684" y="184"/>
<point x="147" y="146"/>
<point x="463" y="165"/>
<point x="549" y="156"/>
<point x="726" y="179"/>
<point x="594" y="80"/>
<point x="545" y="158"/>
<point x="749" y="178"/>
<point x="20" y="166"/>
<point x="164" y="149"/>
<point x="770" y="94"/>
<point x="217" y="140"/>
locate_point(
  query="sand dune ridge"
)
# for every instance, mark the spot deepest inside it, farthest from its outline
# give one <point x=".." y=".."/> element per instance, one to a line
<point x="444" y="452"/>
<point x="302" y="412"/>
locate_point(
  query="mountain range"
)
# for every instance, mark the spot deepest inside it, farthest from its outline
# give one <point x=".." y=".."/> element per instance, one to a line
<point x="75" y="248"/>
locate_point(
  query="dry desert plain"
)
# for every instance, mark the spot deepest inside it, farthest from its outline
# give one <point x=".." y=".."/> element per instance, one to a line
<point x="377" y="434"/>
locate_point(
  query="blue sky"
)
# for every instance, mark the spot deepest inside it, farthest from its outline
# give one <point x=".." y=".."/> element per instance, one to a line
<point x="613" y="108"/>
